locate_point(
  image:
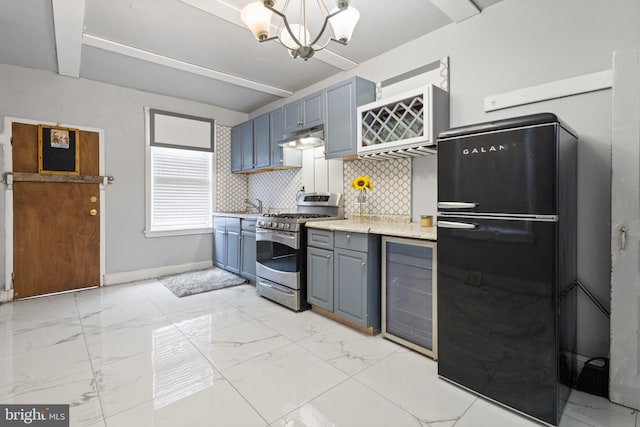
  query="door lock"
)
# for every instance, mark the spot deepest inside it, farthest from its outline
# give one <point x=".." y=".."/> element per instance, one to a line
<point x="93" y="199"/>
<point x="93" y="212"/>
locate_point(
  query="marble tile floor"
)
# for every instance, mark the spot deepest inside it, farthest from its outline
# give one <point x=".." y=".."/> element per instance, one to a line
<point x="136" y="355"/>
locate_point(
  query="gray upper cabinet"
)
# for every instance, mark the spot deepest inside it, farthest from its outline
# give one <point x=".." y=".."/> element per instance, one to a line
<point x="247" y="146"/>
<point x="254" y="145"/>
<point x="303" y="113"/>
<point x="276" y="131"/>
<point x="261" y="141"/>
<point x="340" y="118"/>
<point x="313" y="110"/>
<point x="242" y="147"/>
<point x="236" y="148"/>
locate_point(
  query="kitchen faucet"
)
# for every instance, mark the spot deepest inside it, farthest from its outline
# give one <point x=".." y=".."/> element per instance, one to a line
<point x="253" y="205"/>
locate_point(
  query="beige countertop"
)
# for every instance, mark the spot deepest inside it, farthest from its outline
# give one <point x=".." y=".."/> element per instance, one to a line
<point x="411" y="230"/>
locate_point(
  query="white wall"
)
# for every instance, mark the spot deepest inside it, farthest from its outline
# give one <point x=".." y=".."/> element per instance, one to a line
<point x="516" y="44"/>
<point x="45" y="96"/>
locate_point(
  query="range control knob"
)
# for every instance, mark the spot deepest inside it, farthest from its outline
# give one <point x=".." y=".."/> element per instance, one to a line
<point x="281" y="225"/>
<point x="287" y="226"/>
<point x="268" y="223"/>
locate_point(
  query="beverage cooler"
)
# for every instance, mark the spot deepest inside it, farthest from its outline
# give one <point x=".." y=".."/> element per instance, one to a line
<point x="409" y="308"/>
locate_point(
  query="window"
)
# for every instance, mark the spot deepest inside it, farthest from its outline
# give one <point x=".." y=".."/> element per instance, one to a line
<point x="180" y="184"/>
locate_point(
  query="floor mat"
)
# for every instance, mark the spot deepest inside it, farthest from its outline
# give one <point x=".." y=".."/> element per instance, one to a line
<point x="195" y="282"/>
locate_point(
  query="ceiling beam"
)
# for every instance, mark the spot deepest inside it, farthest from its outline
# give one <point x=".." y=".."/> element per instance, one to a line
<point x="133" y="52"/>
<point x="230" y="13"/>
<point x="68" y="22"/>
<point x="457" y="10"/>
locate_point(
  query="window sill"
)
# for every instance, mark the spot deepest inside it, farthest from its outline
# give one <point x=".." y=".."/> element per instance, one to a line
<point x="169" y="233"/>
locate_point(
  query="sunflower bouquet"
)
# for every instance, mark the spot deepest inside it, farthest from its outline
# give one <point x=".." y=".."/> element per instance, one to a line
<point x="362" y="184"/>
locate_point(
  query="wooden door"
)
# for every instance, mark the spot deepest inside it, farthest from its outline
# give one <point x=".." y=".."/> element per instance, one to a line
<point x="56" y="236"/>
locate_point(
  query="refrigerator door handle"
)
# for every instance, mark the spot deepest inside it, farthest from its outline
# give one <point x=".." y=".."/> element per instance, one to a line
<point x="456" y="205"/>
<point x="458" y="225"/>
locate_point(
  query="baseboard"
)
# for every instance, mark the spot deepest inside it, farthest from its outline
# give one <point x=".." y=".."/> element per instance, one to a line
<point x="6" y="296"/>
<point x="152" y="273"/>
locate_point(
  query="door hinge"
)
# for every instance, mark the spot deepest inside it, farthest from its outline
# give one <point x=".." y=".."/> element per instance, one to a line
<point x="11" y="140"/>
<point x="12" y="277"/>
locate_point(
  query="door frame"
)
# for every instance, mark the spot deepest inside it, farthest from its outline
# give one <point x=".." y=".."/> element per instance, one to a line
<point x="625" y="245"/>
<point x="6" y="294"/>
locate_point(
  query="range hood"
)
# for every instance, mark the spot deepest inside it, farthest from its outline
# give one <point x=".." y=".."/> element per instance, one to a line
<point x="304" y="138"/>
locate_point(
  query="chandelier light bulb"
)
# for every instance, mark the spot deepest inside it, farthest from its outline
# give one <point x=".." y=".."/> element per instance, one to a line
<point x="299" y="32"/>
<point x="257" y="18"/>
<point x="344" y="23"/>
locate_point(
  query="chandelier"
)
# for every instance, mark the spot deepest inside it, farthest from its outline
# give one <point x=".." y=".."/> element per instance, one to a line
<point x="295" y="36"/>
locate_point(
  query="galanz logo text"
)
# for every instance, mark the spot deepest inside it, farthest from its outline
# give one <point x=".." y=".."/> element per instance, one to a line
<point x="482" y="150"/>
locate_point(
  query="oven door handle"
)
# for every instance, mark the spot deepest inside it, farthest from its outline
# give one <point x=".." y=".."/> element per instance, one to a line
<point x="275" y="233"/>
<point x="276" y="288"/>
<point x="288" y="239"/>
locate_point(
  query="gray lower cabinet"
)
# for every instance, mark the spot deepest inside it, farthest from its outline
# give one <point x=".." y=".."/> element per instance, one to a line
<point x="343" y="275"/>
<point x="320" y="277"/>
<point x="226" y="243"/>
<point x="409" y="314"/>
<point x="248" y="249"/>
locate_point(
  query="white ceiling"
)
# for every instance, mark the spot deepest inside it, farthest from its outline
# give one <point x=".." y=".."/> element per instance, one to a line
<point x="199" y="49"/>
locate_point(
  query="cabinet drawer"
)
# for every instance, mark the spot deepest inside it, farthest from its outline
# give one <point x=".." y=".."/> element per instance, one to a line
<point x="352" y="241"/>
<point x="320" y="238"/>
<point x="248" y="225"/>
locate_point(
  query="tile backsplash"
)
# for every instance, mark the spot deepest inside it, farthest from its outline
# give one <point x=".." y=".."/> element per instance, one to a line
<point x="391" y="180"/>
<point x="276" y="189"/>
<point x="231" y="189"/>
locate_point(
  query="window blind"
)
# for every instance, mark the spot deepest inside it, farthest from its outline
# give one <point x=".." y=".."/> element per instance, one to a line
<point x="181" y="189"/>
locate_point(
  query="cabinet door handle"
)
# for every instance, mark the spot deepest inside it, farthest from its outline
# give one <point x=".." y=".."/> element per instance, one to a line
<point x="348" y="236"/>
<point x="364" y="263"/>
<point x="328" y="256"/>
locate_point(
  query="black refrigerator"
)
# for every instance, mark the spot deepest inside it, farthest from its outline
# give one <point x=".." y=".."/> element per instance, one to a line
<point x="507" y="261"/>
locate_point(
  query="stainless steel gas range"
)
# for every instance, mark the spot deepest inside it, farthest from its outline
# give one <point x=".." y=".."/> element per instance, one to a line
<point x="281" y="242"/>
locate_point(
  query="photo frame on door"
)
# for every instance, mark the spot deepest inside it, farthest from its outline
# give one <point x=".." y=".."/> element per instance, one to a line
<point x="58" y="150"/>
